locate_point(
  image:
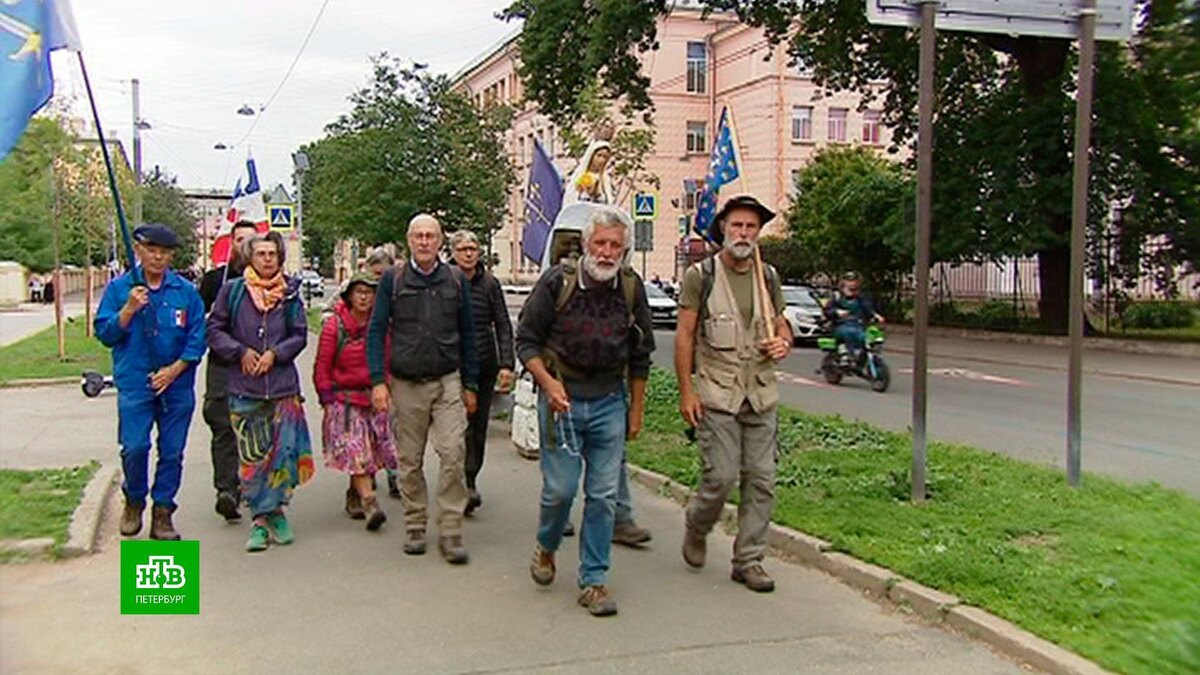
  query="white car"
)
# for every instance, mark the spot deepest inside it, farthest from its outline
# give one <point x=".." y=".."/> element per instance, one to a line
<point x="804" y="313"/>
<point x="663" y="310"/>
<point x="312" y="284"/>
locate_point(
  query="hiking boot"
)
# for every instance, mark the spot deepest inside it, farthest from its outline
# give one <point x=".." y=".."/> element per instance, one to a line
<point x="627" y="533"/>
<point x="695" y="548"/>
<point x="569" y="530"/>
<point x="227" y="506"/>
<point x="393" y="487"/>
<point x="542" y="567"/>
<point x="474" y="501"/>
<point x="375" y="515"/>
<point x="414" y="542"/>
<point x="452" y="549"/>
<point x="258" y="539"/>
<point x="131" y="518"/>
<point x="281" y="531"/>
<point x="161" y="526"/>
<point x="598" y="601"/>
<point x="354" y="507"/>
<point x="754" y="577"/>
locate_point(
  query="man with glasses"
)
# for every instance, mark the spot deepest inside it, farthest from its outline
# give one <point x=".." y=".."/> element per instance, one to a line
<point x="154" y="324"/>
<point x="426" y="309"/>
<point x="494" y="346"/>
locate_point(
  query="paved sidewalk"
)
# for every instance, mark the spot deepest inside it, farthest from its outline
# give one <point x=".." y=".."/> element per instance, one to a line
<point x="344" y="600"/>
<point x="29" y="318"/>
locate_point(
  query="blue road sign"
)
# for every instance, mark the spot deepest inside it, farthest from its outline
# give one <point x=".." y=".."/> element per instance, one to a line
<point x="280" y="216"/>
<point x="645" y="206"/>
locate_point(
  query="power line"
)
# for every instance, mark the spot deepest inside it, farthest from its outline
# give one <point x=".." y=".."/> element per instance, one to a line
<point x="312" y="29"/>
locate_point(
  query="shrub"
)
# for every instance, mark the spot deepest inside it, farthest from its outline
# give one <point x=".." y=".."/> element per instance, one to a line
<point x="1160" y="314"/>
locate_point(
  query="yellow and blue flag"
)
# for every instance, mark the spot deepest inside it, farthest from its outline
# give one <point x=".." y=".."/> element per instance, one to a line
<point x="29" y="31"/>
<point x="723" y="168"/>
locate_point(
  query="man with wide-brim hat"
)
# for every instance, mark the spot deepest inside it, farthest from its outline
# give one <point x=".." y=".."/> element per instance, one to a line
<point x="733" y="337"/>
<point x="153" y="320"/>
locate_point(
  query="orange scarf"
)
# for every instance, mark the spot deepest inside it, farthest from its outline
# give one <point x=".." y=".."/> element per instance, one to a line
<point x="265" y="293"/>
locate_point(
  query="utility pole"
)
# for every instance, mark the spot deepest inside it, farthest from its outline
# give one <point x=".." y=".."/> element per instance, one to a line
<point x="137" y="152"/>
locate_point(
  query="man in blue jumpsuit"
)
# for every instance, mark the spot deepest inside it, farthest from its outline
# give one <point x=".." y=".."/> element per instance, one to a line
<point x="156" y="333"/>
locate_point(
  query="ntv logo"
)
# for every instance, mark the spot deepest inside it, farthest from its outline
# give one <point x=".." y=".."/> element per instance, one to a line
<point x="160" y="572"/>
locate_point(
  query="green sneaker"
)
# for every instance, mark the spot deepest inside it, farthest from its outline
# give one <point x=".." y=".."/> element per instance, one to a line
<point x="258" y="539"/>
<point x="280" y="529"/>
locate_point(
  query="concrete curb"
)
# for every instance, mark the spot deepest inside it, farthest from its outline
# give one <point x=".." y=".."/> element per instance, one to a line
<point x="883" y="585"/>
<point x="85" y="522"/>
<point x="33" y="549"/>
<point x="1121" y="345"/>
<point x="39" y="382"/>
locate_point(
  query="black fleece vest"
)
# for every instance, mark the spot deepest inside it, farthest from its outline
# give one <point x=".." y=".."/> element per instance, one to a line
<point x="425" y="339"/>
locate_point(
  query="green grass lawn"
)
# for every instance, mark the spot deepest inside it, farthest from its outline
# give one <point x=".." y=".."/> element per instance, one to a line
<point x="39" y="503"/>
<point x="36" y="356"/>
<point x="1111" y="570"/>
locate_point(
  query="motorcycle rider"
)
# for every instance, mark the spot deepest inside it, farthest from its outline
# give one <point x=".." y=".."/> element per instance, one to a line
<point x="849" y="313"/>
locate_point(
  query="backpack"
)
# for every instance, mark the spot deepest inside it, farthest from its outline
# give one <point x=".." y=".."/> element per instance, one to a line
<point x="708" y="270"/>
<point x="237" y="293"/>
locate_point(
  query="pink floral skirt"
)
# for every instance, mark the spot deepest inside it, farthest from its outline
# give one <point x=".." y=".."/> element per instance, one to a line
<point x="357" y="440"/>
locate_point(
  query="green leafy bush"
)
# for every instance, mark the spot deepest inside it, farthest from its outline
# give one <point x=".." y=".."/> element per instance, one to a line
<point x="1160" y="314"/>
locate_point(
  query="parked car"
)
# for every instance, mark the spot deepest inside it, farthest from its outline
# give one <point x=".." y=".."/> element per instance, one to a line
<point x="663" y="310"/>
<point x="312" y="284"/>
<point x="804" y="313"/>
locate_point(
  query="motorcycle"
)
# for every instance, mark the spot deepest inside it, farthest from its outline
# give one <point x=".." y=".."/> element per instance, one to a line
<point x="839" y="362"/>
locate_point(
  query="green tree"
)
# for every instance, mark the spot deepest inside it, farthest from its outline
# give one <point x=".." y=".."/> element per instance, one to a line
<point x="1003" y="129"/>
<point x="409" y="144"/>
<point x="853" y="211"/>
<point x="27" y="194"/>
<point x="163" y="202"/>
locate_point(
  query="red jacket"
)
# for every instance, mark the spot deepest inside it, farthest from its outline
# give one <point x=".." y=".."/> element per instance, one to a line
<point x="342" y="376"/>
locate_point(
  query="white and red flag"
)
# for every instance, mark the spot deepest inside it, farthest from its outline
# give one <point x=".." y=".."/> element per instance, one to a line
<point x="248" y="205"/>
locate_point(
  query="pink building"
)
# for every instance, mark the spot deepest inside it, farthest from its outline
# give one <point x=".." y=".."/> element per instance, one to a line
<point x="781" y="119"/>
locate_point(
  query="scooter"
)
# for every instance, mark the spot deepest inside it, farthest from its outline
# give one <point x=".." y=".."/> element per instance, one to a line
<point x="839" y="362"/>
<point x="94" y="383"/>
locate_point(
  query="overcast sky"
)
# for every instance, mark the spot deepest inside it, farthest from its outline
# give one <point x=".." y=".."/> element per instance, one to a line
<point x="199" y="61"/>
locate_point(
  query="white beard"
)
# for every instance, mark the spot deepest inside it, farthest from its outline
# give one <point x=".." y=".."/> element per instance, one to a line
<point x="739" y="250"/>
<point x="603" y="275"/>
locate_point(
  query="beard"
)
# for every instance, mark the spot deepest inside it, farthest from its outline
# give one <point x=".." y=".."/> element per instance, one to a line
<point x="740" y="250"/>
<point x="598" y="271"/>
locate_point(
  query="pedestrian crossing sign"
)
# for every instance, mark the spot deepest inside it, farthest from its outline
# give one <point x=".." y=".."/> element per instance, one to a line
<point x="645" y="206"/>
<point x="280" y="216"/>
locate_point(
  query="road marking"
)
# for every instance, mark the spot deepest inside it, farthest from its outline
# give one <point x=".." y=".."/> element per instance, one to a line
<point x="796" y="379"/>
<point x="974" y="375"/>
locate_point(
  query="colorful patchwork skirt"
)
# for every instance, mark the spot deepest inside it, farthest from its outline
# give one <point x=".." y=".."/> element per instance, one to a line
<point x="274" y="450"/>
<point x="357" y="440"/>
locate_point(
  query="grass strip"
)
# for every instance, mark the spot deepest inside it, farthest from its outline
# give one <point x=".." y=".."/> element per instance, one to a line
<point x="1110" y="571"/>
<point x="39" y="503"/>
<point x="36" y="357"/>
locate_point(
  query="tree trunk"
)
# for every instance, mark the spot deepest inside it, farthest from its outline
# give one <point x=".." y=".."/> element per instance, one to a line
<point x="1054" y="275"/>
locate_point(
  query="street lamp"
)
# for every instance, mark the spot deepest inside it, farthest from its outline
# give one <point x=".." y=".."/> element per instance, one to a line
<point x="246" y="110"/>
<point x="220" y="146"/>
<point x="300" y="162"/>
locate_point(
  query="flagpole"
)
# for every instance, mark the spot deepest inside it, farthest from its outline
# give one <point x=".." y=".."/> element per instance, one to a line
<point x="112" y="176"/>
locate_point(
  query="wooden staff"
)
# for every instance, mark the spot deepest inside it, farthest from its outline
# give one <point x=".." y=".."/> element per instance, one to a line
<point x="767" y="306"/>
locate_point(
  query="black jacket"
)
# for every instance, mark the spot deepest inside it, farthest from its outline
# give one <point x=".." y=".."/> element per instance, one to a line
<point x="493" y="327"/>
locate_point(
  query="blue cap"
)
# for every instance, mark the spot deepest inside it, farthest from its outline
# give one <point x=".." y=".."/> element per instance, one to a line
<point x="156" y="235"/>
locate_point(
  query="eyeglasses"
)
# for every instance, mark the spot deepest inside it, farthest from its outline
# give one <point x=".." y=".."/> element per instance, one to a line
<point x="467" y="249"/>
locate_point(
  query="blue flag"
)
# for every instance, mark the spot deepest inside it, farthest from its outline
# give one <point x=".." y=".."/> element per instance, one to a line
<point x="29" y="31"/>
<point x="722" y="169"/>
<point x="543" y="200"/>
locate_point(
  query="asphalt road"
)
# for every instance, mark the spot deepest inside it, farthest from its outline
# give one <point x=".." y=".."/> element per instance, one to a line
<point x="1139" y="412"/>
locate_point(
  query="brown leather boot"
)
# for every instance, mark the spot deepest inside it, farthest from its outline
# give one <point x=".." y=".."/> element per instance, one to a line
<point x="695" y="548"/>
<point x="161" y="526"/>
<point x="131" y="518"/>
<point x="374" y="515"/>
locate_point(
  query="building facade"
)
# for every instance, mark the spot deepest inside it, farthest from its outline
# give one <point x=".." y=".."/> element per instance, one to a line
<point x="702" y="66"/>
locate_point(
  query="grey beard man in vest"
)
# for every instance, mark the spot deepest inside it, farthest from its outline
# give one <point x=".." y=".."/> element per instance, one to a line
<point x="723" y="333"/>
<point x="425" y="306"/>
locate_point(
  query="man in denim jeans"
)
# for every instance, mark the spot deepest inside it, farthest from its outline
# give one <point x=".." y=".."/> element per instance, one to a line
<point x="582" y="342"/>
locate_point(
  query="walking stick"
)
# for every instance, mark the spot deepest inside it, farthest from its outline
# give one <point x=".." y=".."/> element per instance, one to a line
<point x="768" y="306"/>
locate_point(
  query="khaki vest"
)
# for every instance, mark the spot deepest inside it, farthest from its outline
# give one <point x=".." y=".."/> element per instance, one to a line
<point x="730" y="369"/>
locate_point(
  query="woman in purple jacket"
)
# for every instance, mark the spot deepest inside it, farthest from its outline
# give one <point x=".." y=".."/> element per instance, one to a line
<point x="258" y="324"/>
